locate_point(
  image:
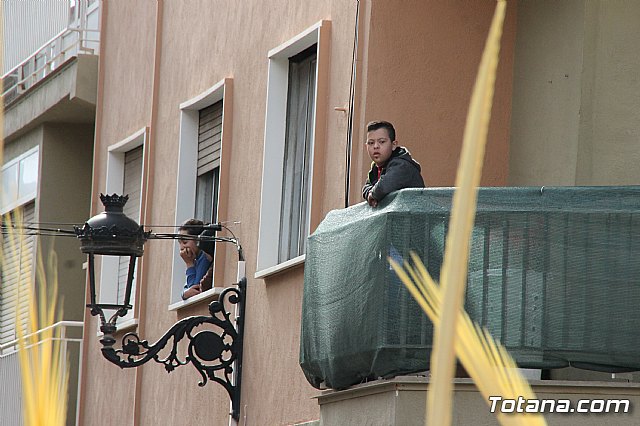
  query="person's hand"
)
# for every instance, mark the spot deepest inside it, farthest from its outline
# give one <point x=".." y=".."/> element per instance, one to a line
<point x="192" y="291"/>
<point x="188" y="256"/>
<point x="372" y="201"/>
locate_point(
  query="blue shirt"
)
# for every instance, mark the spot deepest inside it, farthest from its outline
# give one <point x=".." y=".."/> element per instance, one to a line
<point x="196" y="272"/>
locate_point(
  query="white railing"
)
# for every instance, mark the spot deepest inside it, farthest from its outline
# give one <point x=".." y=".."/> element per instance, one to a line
<point x="30" y="24"/>
<point x="68" y="43"/>
<point x="70" y="336"/>
<point x="67" y="331"/>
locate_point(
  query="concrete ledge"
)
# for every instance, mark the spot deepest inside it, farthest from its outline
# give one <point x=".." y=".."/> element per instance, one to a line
<point x="65" y="95"/>
<point x="402" y="401"/>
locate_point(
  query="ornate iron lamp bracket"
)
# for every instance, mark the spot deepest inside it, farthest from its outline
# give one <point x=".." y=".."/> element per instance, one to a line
<point x="211" y="353"/>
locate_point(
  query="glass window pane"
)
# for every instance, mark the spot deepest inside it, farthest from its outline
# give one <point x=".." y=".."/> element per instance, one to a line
<point x="204" y="197"/>
<point x="132" y="187"/>
<point x="305" y="204"/>
<point x="28" y="184"/>
<point x="215" y="189"/>
<point x="9" y="185"/>
<point x="295" y="207"/>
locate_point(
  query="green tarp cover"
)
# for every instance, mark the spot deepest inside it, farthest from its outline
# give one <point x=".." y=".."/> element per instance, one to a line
<point x="554" y="274"/>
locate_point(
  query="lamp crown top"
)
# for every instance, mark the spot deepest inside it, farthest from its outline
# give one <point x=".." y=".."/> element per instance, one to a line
<point x="114" y="201"/>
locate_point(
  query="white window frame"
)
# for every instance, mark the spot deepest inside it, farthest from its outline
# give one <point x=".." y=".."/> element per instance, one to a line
<point x="187" y="177"/>
<point x="19" y="201"/>
<point x="114" y="184"/>
<point x="274" y="145"/>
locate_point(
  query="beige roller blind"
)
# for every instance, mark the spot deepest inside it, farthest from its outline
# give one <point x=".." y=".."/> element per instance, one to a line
<point x="131" y="187"/>
<point x="17" y="280"/>
<point x="209" y="138"/>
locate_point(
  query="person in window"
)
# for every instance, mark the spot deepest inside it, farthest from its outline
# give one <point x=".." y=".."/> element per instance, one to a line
<point x="196" y="260"/>
<point x="392" y="167"/>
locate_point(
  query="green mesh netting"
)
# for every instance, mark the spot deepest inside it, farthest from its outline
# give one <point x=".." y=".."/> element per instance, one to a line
<point x="554" y="274"/>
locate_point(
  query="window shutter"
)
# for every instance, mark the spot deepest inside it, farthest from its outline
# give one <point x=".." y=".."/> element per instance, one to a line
<point x="209" y="138"/>
<point x="131" y="187"/>
<point x="17" y="276"/>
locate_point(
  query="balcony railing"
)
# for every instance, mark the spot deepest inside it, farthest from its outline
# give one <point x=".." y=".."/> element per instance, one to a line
<point x="70" y="337"/>
<point x="553" y="274"/>
<point x="41" y="36"/>
<point x="68" y="43"/>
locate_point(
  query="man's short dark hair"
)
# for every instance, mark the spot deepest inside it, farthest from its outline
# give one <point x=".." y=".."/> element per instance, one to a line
<point x="375" y="125"/>
<point x="193" y="226"/>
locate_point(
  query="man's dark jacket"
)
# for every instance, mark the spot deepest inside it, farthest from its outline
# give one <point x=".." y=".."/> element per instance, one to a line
<point x="400" y="171"/>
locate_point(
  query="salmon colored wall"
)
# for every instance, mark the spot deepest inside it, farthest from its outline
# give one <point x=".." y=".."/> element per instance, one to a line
<point x="192" y="58"/>
<point x="402" y="68"/>
<point x="422" y="61"/>
<point x="274" y="389"/>
<point x="123" y="107"/>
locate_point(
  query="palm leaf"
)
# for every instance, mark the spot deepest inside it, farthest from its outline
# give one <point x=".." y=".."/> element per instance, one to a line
<point x="488" y="363"/>
<point x="45" y="377"/>
<point x="43" y="369"/>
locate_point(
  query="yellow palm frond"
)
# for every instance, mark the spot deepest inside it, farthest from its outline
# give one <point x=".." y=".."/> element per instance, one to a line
<point x="43" y="369"/>
<point x="454" y="268"/>
<point x="488" y="363"/>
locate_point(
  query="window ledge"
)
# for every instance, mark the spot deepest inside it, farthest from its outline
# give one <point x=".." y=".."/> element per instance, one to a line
<point x="208" y="295"/>
<point x="281" y="267"/>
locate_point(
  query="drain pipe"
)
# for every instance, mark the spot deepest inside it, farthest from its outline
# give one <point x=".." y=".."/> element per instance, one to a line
<point x="352" y="92"/>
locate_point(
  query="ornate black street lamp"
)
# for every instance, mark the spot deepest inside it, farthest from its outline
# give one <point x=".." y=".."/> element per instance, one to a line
<point x="216" y="355"/>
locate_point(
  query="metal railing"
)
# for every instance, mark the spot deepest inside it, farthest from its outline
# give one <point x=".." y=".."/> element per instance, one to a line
<point x="68" y="332"/>
<point x="66" y="44"/>
<point x="70" y="337"/>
